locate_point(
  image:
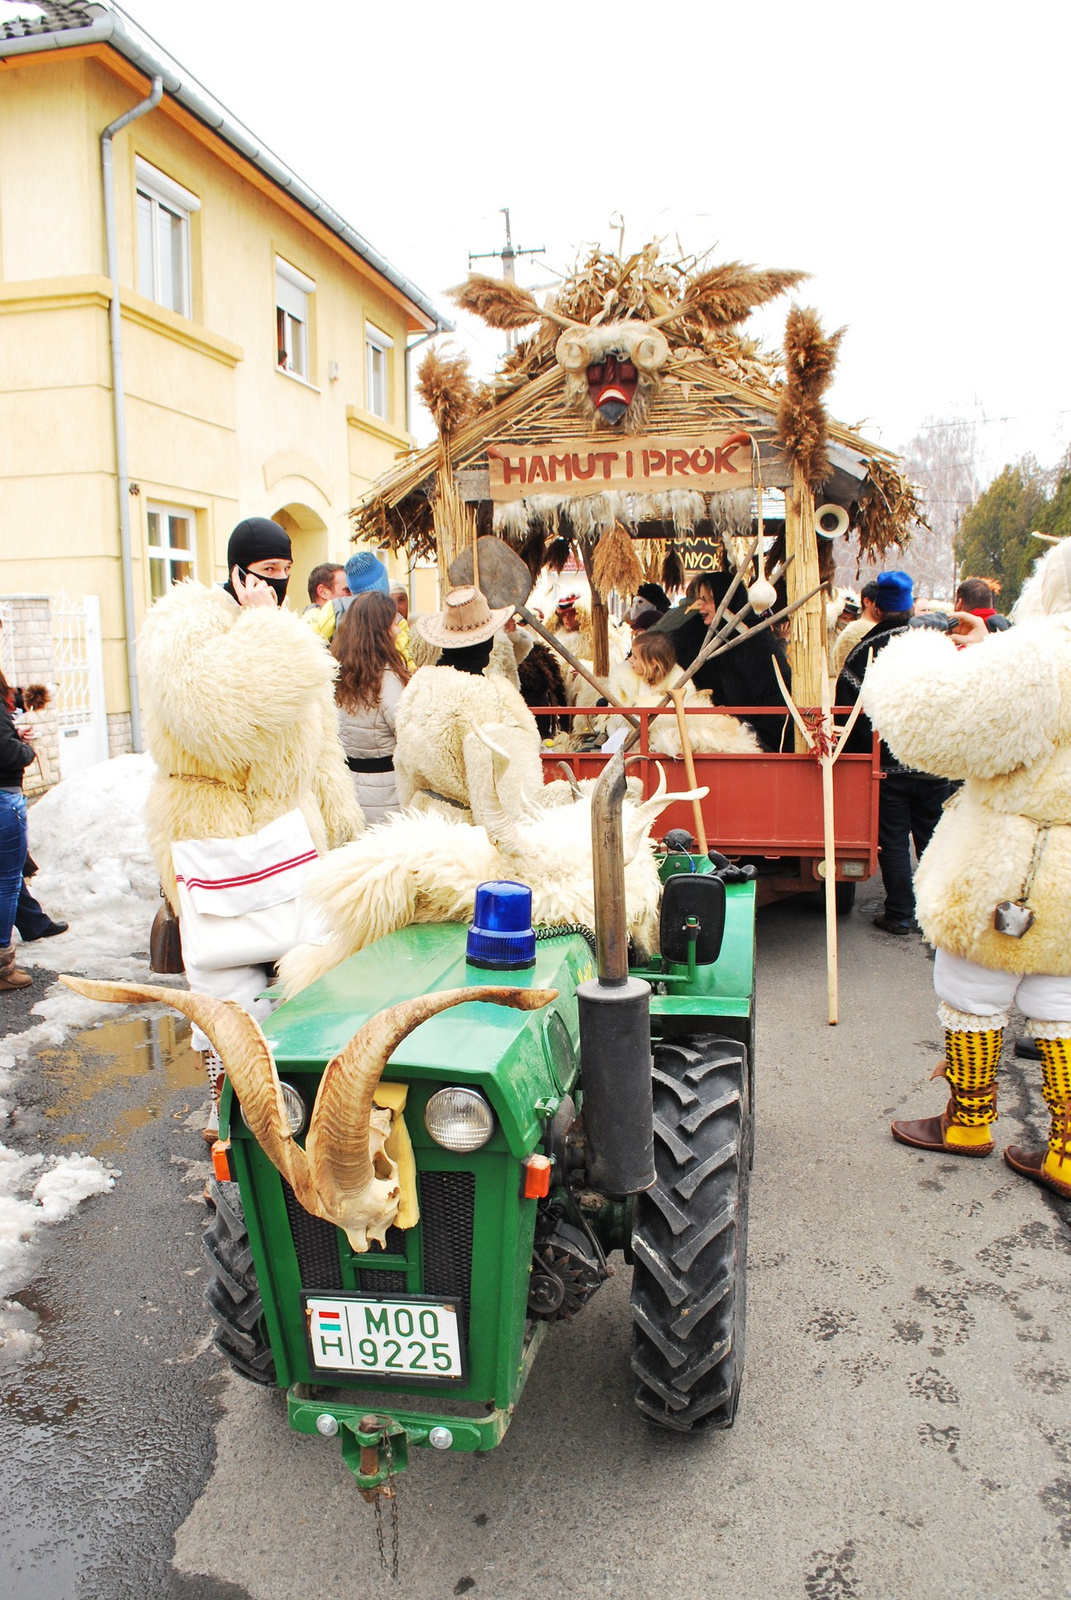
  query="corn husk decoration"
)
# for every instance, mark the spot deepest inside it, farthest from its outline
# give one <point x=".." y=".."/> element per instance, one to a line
<point x="810" y="357"/>
<point x="445" y="386"/>
<point x="889" y="510"/>
<point x="615" y="564"/>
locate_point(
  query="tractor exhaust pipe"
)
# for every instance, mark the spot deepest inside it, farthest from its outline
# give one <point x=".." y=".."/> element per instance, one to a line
<point x="615" y="1018"/>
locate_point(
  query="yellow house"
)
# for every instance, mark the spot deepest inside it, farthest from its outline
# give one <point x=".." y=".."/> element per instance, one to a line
<point x="252" y="358"/>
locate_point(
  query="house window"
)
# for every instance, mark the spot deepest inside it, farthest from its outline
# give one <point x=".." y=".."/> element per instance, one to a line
<point x="293" y="298"/>
<point x="377" y="345"/>
<point x="164" y="211"/>
<point x="171" y="548"/>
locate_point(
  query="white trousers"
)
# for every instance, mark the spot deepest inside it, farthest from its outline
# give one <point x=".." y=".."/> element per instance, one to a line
<point x="240" y="984"/>
<point x="975" y="998"/>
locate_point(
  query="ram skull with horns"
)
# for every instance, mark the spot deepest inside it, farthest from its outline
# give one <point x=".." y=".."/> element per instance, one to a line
<point x="344" y="1174"/>
<point x="613" y="368"/>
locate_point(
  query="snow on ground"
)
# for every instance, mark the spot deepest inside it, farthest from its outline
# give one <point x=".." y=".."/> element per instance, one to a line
<point x="87" y="836"/>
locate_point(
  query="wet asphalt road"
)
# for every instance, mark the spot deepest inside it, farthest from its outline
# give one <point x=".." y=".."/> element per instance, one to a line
<point x="905" y="1429"/>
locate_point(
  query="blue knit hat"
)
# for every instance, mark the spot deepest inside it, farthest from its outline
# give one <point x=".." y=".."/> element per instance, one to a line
<point x="365" y="572"/>
<point x="894" y="591"/>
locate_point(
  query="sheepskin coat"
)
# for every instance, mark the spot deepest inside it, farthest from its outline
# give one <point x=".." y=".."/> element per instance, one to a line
<point x="718" y="734"/>
<point x="997" y="714"/>
<point x="240" y="720"/>
<point x="441" y="762"/>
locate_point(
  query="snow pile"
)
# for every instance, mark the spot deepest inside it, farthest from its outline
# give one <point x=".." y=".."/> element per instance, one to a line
<point x="66" y="1182"/>
<point x="96" y="872"/>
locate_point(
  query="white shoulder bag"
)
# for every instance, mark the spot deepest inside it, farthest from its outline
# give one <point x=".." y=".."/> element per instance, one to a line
<point x="240" y="899"/>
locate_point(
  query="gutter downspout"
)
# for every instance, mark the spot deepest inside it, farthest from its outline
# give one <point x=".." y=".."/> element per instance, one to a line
<point x="409" y="348"/>
<point x="119" y="395"/>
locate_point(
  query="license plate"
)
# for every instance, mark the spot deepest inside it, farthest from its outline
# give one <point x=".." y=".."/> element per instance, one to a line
<point x="385" y="1338"/>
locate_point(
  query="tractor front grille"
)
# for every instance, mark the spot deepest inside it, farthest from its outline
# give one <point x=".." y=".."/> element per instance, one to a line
<point x="446" y="1208"/>
<point x="316" y="1246"/>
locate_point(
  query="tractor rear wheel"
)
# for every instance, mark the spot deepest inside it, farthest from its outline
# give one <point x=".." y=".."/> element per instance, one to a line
<point x="232" y="1296"/>
<point x="689" y="1238"/>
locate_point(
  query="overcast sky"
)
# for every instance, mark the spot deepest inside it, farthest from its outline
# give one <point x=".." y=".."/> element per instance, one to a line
<point x="907" y="155"/>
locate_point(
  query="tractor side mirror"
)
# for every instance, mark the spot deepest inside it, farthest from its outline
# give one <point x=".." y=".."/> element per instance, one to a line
<point x="697" y="899"/>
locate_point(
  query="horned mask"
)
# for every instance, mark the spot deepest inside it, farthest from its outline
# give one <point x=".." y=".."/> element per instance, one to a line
<point x="343" y="1174"/>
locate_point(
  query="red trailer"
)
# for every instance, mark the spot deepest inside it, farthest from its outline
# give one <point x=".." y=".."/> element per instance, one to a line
<point x="766" y="809"/>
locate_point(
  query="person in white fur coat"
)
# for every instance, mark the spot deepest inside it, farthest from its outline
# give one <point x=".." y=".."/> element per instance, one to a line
<point x="994" y="886"/>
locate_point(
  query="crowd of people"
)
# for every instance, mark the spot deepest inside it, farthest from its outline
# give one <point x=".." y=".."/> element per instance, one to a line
<point x="283" y="736"/>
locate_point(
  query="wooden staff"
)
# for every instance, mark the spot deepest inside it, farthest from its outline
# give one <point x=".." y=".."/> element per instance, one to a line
<point x="689" y="769"/>
<point x="832" y="743"/>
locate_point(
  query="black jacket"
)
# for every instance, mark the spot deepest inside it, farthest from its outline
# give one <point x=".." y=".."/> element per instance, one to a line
<point x="743" y="677"/>
<point x="851" y="681"/>
<point x="15" y="753"/>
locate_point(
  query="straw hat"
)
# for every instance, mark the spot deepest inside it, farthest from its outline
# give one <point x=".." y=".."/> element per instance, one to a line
<point x="465" y="619"/>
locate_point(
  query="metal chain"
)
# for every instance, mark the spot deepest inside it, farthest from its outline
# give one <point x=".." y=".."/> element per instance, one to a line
<point x="390" y="1493"/>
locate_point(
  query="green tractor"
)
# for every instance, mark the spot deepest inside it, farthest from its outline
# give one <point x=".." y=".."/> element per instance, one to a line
<point x="617" y="1115"/>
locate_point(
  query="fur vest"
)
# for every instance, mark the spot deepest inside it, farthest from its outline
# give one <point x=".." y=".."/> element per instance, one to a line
<point x="444" y="764"/>
<point x="997" y="714"/>
<point x="240" y="721"/>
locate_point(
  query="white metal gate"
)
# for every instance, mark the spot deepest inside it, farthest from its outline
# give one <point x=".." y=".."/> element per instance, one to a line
<point x="78" y="679"/>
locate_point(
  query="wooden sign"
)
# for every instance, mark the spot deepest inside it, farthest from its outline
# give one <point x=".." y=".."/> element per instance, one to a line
<point x="700" y="555"/>
<point x="637" y="464"/>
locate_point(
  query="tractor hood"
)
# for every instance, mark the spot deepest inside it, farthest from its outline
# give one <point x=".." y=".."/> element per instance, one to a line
<point x="517" y="1058"/>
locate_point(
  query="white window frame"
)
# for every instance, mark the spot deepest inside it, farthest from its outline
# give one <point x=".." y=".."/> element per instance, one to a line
<point x="164" y="551"/>
<point x="376" y="342"/>
<point x="163" y="194"/>
<point x="293" y="316"/>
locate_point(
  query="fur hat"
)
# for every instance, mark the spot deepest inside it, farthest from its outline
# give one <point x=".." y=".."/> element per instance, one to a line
<point x="895" y="591"/>
<point x="465" y="619"/>
<point x="365" y="572"/>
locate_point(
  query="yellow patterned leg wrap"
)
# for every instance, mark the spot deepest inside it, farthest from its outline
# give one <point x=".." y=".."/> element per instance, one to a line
<point x="1056" y="1087"/>
<point x="971" y="1069"/>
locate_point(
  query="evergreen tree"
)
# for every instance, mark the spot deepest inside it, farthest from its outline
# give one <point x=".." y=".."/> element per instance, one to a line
<point x="994" y="538"/>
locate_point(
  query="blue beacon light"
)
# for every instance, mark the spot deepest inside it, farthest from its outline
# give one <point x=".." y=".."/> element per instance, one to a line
<point x="501" y="935"/>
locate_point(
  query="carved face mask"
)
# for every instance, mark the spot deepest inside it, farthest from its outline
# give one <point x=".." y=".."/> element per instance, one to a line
<point x="612" y="385"/>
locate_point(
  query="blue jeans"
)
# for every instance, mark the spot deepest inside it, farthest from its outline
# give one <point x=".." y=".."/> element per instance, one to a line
<point x="12" y="858"/>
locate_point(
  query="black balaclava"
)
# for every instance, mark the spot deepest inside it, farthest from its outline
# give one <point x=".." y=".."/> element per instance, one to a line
<point x="258" y="539"/>
<point x="469" y="658"/>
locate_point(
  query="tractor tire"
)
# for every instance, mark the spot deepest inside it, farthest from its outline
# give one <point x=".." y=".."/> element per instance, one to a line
<point x="232" y="1296"/>
<point x="689" y="1238"/>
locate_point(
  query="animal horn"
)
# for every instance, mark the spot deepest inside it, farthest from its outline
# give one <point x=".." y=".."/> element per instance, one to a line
<point x="570" y="775"/>
<point x="643" y="816"/>
<point x="571" y="350"/>
<point x="244" y="1052"/>
<point x="358" y="1187"/>
<point x="651" y="351"/>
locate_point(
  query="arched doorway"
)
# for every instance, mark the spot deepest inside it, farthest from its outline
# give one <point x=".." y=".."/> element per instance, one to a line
<point x="308" y="537"/>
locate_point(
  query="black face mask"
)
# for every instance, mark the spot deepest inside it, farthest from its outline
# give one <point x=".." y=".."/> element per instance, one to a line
<point x="278" y="584"/>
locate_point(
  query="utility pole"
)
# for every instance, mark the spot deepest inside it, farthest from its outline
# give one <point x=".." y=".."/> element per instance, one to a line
<point x="508" y="257"/>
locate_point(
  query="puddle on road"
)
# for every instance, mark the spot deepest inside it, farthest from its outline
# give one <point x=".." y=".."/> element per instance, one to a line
<point x="109" y="1056"/>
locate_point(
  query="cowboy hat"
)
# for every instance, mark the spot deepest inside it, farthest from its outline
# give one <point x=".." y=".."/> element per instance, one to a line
<point x="465" y="619"/>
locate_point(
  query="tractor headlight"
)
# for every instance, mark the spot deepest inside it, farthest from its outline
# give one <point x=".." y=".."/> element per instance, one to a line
<point x="296" y="1113"/>
<point x="459" y="1119"/>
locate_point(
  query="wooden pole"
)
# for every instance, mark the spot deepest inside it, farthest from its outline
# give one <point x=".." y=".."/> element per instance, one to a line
<point x="689" y="768"/>
<point x="828" y="749"/>
<point x="600" y="631"/>
<point x="807" y="647"/>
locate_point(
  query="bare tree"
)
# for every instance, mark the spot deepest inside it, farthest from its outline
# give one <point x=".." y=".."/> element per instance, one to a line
<point x="940" y="461"/>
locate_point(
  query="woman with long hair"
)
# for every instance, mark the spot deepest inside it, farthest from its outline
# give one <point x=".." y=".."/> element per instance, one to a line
<point x="16" y="754"/>
<point x="371" y="676"/>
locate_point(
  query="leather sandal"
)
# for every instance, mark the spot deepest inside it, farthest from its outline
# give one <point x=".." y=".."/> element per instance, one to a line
<point x="928" y="1133"/>
<point x="1028" y="1164"/>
